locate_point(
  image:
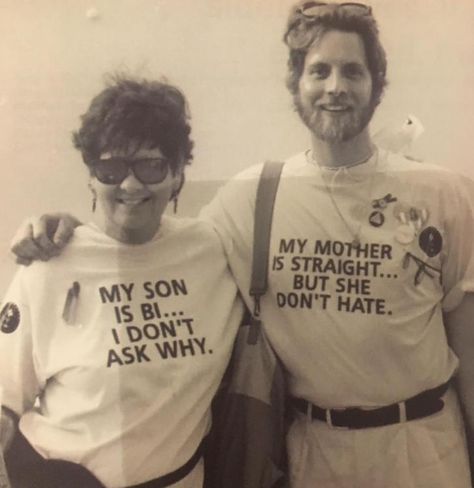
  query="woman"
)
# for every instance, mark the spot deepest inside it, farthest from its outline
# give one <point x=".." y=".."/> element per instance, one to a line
<point x="111" y="354"/>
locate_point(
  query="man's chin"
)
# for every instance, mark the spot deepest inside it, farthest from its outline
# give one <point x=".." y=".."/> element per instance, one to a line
<point x="335" y="132"/>
<point x="335" y="128"/>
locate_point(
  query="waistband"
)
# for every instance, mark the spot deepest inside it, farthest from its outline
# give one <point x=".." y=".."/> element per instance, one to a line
<point x="178" y="474"/>
<point x="29" y="469"/>
<point x="422" y="405"/>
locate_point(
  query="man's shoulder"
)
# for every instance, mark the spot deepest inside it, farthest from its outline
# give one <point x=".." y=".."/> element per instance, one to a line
<point x="241" y="187"/>
<point x="250" y="176"/>
<point x="395" y="162"/>
<point x="187" y="227"/>
<point x="250" y="173"/>
<point x="433" y="178"/>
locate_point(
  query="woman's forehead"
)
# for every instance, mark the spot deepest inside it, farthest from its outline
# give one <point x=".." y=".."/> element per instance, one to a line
<point x="132" y="151"/>
<point x="132" y="148"/>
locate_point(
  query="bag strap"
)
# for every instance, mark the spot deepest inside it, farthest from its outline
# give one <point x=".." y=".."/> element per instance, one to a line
<point x="265" y="199"/>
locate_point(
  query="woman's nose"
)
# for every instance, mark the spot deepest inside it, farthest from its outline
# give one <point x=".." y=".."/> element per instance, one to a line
<point x="131" y="182"/>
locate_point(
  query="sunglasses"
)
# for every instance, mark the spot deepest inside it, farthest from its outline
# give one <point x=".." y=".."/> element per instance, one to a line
<point x="113" y="171"/>
<point x="314" y="9"/>
<point x="296" y="39"/>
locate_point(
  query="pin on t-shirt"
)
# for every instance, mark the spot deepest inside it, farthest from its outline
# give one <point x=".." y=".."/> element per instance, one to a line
<point x="431" y="241"/>
<point x="412" y="221"/>
<point x="70" y="305"/>
<point x="405" y="233"/>
<point x="376" y="218"/>
<point x="9" y="318"/>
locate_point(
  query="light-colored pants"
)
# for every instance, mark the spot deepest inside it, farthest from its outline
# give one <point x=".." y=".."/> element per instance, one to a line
<point x="425" y="453"/>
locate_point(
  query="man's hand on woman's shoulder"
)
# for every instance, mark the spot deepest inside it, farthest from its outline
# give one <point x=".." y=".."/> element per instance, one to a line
<point x="43" y="237"/>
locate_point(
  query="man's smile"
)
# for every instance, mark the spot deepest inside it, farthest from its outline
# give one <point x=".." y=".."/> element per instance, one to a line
<point x="335" y="108"/>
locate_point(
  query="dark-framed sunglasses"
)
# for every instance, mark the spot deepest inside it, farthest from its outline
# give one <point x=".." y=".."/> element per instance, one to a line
<point x="113" y="171"/>
<point x="315" y="9"/>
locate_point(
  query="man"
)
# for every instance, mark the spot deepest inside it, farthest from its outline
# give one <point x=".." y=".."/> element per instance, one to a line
<point x="365" y="245"/>
<point x="368" y="251"/>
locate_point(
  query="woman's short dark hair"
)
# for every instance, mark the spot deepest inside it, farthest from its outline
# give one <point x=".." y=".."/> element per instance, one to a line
<point x="302" y="33"/>
<point x="137" y="112"/>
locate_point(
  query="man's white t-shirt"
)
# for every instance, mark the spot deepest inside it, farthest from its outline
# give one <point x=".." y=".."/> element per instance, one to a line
<point x="357" y="326"/>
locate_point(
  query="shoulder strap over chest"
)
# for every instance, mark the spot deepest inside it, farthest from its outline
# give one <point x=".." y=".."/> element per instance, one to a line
<point x="265" y="198"/>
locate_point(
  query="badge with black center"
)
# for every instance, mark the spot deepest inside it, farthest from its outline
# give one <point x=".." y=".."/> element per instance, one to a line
<point x="9" y="318"/>
<point x="431" y="241"/>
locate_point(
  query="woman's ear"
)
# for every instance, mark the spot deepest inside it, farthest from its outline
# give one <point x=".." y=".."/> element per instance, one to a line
<point x="178" y="183"/>
<point x="91" y="186"/>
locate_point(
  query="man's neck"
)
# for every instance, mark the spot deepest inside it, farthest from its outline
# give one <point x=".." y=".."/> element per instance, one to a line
<point x="346" y="153"/>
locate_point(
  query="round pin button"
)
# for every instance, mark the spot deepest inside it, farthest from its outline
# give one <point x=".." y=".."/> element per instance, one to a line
<point x="376" y="218"/>
<point x="9" y="318"/>
<point x="404" y="234"/>
<point x="431" y="241"/>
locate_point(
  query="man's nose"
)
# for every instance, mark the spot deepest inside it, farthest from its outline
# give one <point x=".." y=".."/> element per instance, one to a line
<point x="335" y="83"/>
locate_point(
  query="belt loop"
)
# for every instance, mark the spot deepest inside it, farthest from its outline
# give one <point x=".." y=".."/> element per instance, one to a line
<point x="402" y="412"/>
<point x="328" y="417"/>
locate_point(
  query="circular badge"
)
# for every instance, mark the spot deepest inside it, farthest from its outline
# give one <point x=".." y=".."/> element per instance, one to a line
<point x="9" y="318"/>
<point x="376" y="218"/>
<point x="404" y="233"/>
<point x="430" y="241"/>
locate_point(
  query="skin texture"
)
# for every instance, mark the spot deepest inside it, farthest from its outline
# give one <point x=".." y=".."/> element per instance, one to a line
<point x="131" y="211"/>
<point x="335" y="88"/>
<point x="335" y="98"/>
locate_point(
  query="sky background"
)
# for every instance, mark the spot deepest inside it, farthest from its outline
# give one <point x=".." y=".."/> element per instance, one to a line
<point x="228" y="57"/>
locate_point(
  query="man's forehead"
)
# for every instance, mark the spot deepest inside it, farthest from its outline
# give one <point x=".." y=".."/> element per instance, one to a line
<point x="340" y="47"/>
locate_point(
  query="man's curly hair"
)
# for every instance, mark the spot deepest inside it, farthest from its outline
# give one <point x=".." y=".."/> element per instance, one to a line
<point x="132" y="113"/>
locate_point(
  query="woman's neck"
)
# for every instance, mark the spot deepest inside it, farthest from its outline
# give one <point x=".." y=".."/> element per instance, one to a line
<point x="127" y="235"/>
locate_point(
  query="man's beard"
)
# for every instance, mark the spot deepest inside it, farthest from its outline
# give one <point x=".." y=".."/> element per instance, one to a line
<point x="334" y="128"/>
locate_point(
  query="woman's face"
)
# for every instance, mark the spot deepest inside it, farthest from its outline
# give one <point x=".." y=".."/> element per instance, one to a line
<point x="130" y="211"/>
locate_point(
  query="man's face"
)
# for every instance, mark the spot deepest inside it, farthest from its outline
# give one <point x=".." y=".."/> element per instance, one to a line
<point x="335" y="88"/>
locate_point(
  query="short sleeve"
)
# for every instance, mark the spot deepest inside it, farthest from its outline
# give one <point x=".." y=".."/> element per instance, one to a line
<point x="231" y="210"/>
<point x="18" y="380"/>
<point x="458" y="265"/>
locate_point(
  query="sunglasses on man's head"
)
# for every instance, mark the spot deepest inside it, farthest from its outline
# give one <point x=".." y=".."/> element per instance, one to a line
<point x="297" y="38"/>
<point x="315" y="9"/>
<point x="113" y="171"/>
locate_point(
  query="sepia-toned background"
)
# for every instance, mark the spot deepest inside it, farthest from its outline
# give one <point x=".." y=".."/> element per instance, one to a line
<point x="228" y="57"/>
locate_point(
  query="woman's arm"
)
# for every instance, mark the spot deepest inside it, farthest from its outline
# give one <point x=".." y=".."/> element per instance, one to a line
<point x="8" y="426"/>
